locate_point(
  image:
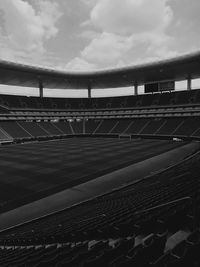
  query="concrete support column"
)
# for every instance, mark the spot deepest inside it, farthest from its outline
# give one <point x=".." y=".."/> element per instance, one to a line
<point x="189" y="83"/>
<point x="41" y="89"/>
<point x="84" y="126"/>
<point x="136" y="89"/>
<point x="89" y="91"/>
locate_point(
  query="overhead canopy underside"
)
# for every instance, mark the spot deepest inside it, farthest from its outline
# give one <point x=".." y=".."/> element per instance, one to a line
<point x="179" y="68"/>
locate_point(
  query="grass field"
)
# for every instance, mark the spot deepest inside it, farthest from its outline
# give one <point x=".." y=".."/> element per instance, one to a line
<point x="40" y="169"/>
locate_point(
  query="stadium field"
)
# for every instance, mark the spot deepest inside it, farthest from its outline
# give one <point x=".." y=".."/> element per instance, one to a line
<point x="36" y="170"/>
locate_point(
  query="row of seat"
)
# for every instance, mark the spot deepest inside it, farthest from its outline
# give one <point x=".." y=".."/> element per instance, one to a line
<point x="158" y="126"/>
<point x="181" y="127"/>
<point x="152" y="223"/>
<point x="149" y="251"/>
<point x="20" y="129"/>
<point x="23" y="102"/>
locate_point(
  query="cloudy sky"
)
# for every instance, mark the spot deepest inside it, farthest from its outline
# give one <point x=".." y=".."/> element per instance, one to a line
<point x="97" y="34"/>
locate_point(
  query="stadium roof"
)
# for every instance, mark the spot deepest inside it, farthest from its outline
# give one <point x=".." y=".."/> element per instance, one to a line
<point x="179" y="68"/>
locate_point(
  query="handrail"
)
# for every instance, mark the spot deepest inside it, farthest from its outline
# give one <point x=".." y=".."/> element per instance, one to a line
<point x="164" y="205"/>
<point x="172" y="202"/>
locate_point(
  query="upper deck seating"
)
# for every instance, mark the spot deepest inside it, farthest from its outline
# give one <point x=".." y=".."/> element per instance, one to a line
<point x="165" y="98"/>
<point x="173" y="98"/>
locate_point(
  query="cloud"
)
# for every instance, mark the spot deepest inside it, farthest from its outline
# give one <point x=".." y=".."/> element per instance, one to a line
<point x="185" y="25"/>
<point x="89" y="34"/>
<point x="89" y="3"/>
<point x="127" y="32"/>
<point x="79" y="64"/>
<point x="107" y="47"/>
<point x="25" y="29"/>
<point x="131" y="16"/>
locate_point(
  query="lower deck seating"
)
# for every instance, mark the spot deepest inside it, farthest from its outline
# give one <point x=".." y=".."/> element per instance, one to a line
<point x="170" y="126"/>
<point x="153" y="126"/>
<point x="33" y="129"/>
<point x="188" y="127"/>
<point x="196" y="133"/>
<point x="137" y="126"/>
<point x="50" y="128"/>
<point x="106" y="126"/>
<point x="65" y="127"/>
<point x="77" y="127"/>
<point x="14" y="129"/>
<point x="120" y="127"/>
<point x="152" y="223"/>
<point x="124" y="252"/>
<point x="4" y="136"/>
<point x="91" y="126"/>
<point x="177" y="127"/>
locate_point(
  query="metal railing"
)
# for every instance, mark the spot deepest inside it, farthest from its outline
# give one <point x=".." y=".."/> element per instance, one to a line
<point x="179" y="200"/>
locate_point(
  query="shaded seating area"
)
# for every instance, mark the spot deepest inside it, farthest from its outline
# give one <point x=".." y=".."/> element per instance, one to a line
<point x="33" y="129"/>
<point x="163" y="127"/>
<point x="152" y="223"/>
<point x="14" y="129"/>
<point x="162" y="99"/>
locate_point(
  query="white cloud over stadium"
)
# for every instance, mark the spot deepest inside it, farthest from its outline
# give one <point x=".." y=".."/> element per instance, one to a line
<point x="122" y="26"/>
<point x="25" y="29"/>
<point x="96" y="34"/>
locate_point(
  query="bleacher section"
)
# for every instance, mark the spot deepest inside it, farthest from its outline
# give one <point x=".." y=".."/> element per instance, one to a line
<point x="50" y="128"/>
<point x="91" y="126"/>
<point x="4" y="136"/>
<point x="14" y="129"/>
<point x="65" y="127"/>
<point x="153" y="223"/>
<point x="173" y="98"/>
<point x="137" y="126"/>
<point x="105" y="126"/>
<point x="120" y="127"/>
<point x="33" y="129"/>
<point x="173" y="114"/>
<point x="153" y="126"/>
<point x="188" y="127"/>
<point x="162" y="127"/>
<point x="77" y="127"/>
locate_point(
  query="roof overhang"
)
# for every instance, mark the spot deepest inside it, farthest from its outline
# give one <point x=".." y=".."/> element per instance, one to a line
<point x="179" y="68"/>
